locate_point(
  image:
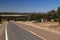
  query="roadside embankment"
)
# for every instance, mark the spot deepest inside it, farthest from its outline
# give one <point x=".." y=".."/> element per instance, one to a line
<point x="2" y="37"/>
<point x="51" y="26"/>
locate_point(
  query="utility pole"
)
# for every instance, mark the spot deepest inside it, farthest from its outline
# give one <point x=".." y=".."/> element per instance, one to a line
<point x="42" y="20"/>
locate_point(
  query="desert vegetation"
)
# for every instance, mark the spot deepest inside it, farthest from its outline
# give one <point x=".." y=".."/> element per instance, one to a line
<point x="53" y="14"/>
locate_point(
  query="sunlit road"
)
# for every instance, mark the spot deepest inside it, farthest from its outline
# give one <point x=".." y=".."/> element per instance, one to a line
<point x="14" y="32"/>
<point x="45" y="34"/>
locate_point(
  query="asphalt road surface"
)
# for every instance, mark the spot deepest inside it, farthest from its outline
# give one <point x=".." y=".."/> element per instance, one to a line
<point x="15" y="32"/>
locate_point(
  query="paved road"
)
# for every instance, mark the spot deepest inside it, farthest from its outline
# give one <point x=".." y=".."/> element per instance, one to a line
<point x="48" y="35"/>
<point x="17" y="33"/>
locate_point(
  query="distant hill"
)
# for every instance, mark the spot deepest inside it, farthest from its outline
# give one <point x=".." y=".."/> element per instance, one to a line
<point x="13" y="13"/>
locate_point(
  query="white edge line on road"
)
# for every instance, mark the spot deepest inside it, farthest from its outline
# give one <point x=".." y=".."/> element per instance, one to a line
<point x="6" y="36"/>
<point x="35" y="34"/>
<point x="32" y="33"/>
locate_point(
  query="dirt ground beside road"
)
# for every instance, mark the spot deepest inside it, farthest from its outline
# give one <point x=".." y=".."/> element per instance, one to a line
<point x="1" y="32"/>
<point x="48" y="25"/>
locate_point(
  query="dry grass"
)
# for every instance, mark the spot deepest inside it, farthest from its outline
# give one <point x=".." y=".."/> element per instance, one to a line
<point x="49" y="25"/>
<point x="1" y="32"/>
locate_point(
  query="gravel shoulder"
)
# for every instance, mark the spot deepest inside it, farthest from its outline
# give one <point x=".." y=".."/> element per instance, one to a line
<point x="2" y="31"/>
<point x="49" y="34"/>
<point x="51" y="26"/>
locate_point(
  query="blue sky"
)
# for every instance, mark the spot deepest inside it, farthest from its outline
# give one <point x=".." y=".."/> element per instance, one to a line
<point x="28" y="5"/>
